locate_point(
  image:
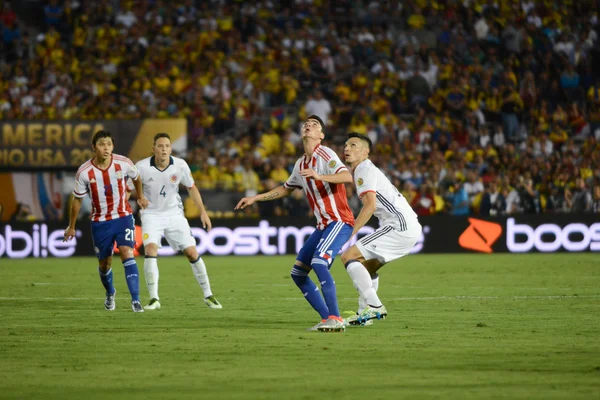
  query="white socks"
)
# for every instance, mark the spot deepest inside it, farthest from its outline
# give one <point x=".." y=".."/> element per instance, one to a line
<point x="199" y="269"/>
<point x="151" y="274"/>
<point x="362" y="281"/>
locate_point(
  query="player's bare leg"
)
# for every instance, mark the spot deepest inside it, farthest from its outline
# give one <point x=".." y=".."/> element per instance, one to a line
<point x="363" y="274"/>
<point x="151" y="275"/>
<point x="199" y="269"/>
<point x="105" y="272"/>
<point x="131" y="276"/>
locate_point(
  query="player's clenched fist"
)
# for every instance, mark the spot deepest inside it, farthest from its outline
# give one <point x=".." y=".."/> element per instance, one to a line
<point x="245" y="202"/>
<point x="143" y="202"/>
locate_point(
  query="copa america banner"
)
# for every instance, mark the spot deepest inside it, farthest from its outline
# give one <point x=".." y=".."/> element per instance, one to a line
<point x="441" y="234"/>
<point x="65" y="145"/>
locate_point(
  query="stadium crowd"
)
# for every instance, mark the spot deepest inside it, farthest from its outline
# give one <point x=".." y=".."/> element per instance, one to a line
<point x="475" y="107"/>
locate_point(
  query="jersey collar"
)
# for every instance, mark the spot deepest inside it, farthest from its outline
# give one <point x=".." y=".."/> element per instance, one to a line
<point x="153" y="163"/>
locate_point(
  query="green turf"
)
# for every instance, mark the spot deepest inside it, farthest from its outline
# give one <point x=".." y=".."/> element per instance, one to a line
<point x="460" y="327"/>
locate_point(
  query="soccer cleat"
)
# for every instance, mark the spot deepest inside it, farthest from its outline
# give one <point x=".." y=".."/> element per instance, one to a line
<point x="153" y="305"/>
<point x="353" y="321"/>
<point x="136" y="306"/>
<point x="109" y="303"/>
<point x="333" y="324"/>
<point x="212" y="302"/>
<point x="370" y="313"/>
<point x="316" y="327"/>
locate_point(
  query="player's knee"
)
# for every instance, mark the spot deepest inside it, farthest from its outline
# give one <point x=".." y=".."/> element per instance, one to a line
<point x="350" y="254"/>
<point x="191" y="253"/>
<point x="151" y="250"/>
<point x="105" y="265"/>
<point x="126" y="252"/>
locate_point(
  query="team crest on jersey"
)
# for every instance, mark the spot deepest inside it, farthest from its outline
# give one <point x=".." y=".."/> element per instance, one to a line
<point x="174" y="178"/>
<point x="119" y="174"/>
<point x="360" y="181"/>
<point x="332" y="163"/>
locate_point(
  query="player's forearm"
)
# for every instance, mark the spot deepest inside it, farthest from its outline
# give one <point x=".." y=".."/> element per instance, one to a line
<point x="197" y="199"/>
<point x="137" y="182"/>
<point x="341" y="177"/>
<point x="74" y="210"/>
<point x="277" y="193"/>
<point x="363" y="217"/>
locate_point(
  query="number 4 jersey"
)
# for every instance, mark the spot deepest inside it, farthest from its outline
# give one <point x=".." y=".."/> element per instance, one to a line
<point x="106" y="187"/>
<point x="161" y="187"/>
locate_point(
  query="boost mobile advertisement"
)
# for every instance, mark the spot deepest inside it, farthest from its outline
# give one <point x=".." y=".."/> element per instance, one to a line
<point x="441" y="234"/>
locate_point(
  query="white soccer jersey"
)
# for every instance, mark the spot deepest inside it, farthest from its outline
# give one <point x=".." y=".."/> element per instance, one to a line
<point x="106" y="187"/>
<point x="327" y="200"/>
<point x="161" y="187"/>
<point x="391" y="207"/>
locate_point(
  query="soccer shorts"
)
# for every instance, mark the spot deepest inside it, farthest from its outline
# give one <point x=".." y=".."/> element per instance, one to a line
<point x="106" y="233"/>
<point x="174" y="228"/>
<point x="325" y="244"/>
<point x="388" y="244"/>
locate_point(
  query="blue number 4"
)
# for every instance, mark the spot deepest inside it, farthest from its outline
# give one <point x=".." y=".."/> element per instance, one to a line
<point x="162" y="191"/>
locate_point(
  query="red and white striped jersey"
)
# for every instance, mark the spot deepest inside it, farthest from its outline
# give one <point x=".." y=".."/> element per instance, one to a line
<point x="327" y="200"/>
<point x="106" y="187"/>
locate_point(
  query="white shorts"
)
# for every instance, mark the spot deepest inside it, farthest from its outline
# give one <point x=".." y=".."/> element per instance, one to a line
<point x="388" y="244"/>
<point x="175" y="229"/>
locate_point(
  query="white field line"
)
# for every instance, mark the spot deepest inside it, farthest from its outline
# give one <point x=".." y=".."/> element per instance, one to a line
<point x="436" y="298"/>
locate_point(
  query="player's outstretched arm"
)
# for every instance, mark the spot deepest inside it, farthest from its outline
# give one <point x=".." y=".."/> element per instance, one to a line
<point x="142" y="200"/>
<point x="366" y="212"/>
<point x="341" y="177"/>
<point x="73" y="213"/>
<point x="197" y="199"/>
<point x="277" y="193"/>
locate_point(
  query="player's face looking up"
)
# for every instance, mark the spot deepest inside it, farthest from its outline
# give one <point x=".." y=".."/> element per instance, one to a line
<point x="355" y="150"/>
<point x="311" y="129"/>
<point x="103" y="148"/>
<point x="162" y="149"/>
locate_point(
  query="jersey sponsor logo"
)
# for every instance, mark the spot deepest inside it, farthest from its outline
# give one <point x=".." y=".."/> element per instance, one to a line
<point x="480" y="236"/>
<point x="360" y="181"/>
<point x="174" y="178"/>
<point x="332" y="163"/>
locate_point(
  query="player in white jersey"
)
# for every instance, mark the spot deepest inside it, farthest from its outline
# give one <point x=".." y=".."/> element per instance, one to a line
<point x="104" y="178"/>
<point x="398" y="233"/>
<point x="161" y="176"/>
<point x="321" y="174"/>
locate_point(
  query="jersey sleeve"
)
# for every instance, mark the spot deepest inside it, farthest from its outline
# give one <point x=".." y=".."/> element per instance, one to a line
<point x="365" y="182"/>
<point x="81" y="185"/>
<point x="295" y="180"/>
<point x="187" y="179"/>
<point x="334" y="165"/>
<point x="130" y="168"/>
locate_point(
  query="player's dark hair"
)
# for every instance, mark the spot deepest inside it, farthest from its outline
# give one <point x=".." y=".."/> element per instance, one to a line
<point x="161" y="135"/>
<point x="101" y="135"/>
<point x="318" y="119"/>
<point x="362" y="137"/>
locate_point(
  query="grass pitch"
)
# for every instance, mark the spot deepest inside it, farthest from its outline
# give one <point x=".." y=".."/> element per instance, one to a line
<point x="460" y="327"/>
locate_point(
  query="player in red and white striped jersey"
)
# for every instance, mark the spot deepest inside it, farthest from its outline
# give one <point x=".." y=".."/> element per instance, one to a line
<point x="104" y="179"/>
<point x="322" y="176"/>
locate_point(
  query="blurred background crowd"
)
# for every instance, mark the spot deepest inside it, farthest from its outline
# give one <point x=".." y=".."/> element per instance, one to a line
<point x="476" y="107"/>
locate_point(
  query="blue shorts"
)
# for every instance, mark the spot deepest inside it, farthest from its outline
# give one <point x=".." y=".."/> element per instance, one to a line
<point x="106" y="233"/>
<point x="326" y="244"/>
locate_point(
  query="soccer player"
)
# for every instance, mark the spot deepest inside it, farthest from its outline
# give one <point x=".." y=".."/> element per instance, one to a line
<point x="103" y="178"/>
<point x="321" y="175"/>
<point x="398" y="232"/>
<point x="161" y="176"/>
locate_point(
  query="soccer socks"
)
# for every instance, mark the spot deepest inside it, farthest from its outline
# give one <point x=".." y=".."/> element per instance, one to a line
<point x="132" y="277"/>
<point x="107" y="280"/>
<point x="321" y="268"/>
<point x="151" y="274"/>
<point x="375" y="281"/>
<point x="362" y="281"/>
<point x="199" y="269"/>
<point x="310" y="291"/>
